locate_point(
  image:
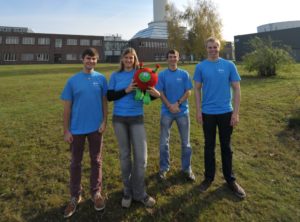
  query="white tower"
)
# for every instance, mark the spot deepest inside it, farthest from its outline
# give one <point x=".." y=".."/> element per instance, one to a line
<point x="158" y="29"/>
<point x="159" y="10"/>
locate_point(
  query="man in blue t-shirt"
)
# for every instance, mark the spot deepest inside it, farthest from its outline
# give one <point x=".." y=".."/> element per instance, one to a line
<point x="85" y="116"/>
<point x="214" y="78"/>
<point x="175" y="86"/>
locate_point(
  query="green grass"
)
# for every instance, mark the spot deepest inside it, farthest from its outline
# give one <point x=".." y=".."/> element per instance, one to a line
<point x="34" y="162"/>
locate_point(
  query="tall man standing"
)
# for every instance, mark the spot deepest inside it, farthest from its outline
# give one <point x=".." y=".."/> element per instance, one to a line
<point x="175" y="86"/>
<point x="214" y="78"/>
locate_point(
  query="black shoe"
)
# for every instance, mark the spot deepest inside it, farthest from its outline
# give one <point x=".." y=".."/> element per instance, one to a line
<point x="205" y="184"/>
<point x="237" y="189"/>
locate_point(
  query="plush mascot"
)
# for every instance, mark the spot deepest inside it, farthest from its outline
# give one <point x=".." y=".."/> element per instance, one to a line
<point x="145" y="77"/>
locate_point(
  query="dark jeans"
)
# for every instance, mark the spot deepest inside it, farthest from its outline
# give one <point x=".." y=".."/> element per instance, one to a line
<point x="210" y="124"/>
<point x="95" y="149"/>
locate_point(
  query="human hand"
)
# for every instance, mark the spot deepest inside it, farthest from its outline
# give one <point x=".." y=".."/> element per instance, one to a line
<point x="102" y="127"/>
<point x="199" y="118"/>
<point x="153" y="92"/>
<point x="234" y="119"/>
<point x="132" y="86"/>
<point x="174" y="108"/>
<point x="68" y="137"/>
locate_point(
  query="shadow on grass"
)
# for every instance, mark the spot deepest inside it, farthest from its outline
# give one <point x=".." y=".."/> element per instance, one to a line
<point x="85" y="211"/>
<point x="187" y="206"/>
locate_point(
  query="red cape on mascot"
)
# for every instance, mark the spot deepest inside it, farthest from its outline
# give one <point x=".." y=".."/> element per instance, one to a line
<point x="145" y="77"/>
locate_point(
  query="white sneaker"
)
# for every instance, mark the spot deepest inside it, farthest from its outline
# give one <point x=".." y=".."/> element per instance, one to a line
<point x="126" y="201"/>
<point x="148" y="201"/>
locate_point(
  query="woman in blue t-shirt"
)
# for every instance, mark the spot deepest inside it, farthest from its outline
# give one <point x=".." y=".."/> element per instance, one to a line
<point x="128" y="123"/>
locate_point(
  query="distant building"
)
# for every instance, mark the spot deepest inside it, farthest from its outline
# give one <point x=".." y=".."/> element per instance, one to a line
<point x="113" y="47"/>
<point x="150" y="49"/>
<point x="280" y="32"/>
<point x="18" y="47"/>
<point x="158" y="29"/>
<point x="278" y="26"/>
<point x="227" y="51"/>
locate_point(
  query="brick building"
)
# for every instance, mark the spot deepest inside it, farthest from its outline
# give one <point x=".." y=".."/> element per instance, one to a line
<point x="18" y="46"/>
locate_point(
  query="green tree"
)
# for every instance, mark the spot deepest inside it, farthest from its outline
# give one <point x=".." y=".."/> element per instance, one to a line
<point x="266" y="58"/>
<point x="200" y="21"/>
<point x="176" y="37"/>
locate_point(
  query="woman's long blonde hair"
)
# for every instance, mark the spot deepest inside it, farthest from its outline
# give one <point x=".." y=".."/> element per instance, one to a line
<point x="136" y="60"/>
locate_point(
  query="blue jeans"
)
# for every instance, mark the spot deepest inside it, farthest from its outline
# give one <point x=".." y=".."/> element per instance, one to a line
<point x="131" y="136"/>
<point x="183" y="124"/>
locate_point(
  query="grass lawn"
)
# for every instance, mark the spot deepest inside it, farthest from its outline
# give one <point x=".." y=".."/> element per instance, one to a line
<point x="34" y="164"/>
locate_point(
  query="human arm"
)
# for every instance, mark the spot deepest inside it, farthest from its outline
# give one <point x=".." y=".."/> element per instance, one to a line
<point x="184" y="97"/>
<point x="236" y="103"/>
<point x="115" y="95"/>
<point x="105" y="113"/>
<point x="154" y="93"/>
<point x="198" y="88"/>
<point x="173" y="108"/>
<point x="66" y="121"/>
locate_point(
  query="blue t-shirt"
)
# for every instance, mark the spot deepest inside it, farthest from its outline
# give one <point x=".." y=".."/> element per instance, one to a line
<point x="216" y="78"/>
<point x="127" y="105"/>
<point x="85" y="91"/>
<point x="174" y="84"/>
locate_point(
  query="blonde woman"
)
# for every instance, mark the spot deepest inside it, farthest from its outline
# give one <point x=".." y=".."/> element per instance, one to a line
<point x="128" y="123"/>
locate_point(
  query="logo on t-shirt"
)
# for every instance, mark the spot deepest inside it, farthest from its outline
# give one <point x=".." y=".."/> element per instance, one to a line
<point x="179" y="79"/>
<point x="220" y="70"/>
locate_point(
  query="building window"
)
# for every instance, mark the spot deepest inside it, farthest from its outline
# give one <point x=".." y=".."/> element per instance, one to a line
<point x="27" y="57"/>
<point x="0" y="39"/>
<point x="71" y="57"/>
<point x="10" y="57"/>
<point x="12" y="40"/>
<point x="44" y="41"/>
<point x="71" y="41"/>
<point x="85" y="42"/>
<point x="96" y="42"/>
<point x="28" y="41"/>
<point x="42" y="57"/>
<point x="58" y="43"/>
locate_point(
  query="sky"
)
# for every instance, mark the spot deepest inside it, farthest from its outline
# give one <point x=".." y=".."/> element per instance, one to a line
<point x="126" y="17"/>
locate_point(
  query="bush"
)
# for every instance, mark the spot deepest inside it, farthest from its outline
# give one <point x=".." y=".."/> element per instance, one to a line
<point x="266" y="58"/>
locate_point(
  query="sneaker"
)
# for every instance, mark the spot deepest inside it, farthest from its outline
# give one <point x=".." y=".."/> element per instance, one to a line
<point x="190" y="176"/>
<point x="99" y="201"/>
<point x="162" y="175"/>
<point x="148" y="201"/>
<point x="205" y="184"/>
<point x="71" y="207"/>
<point x="126" y="201"/>
<point x="237" y="189"/>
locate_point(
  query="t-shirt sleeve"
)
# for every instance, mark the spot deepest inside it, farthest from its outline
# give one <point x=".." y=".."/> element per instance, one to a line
<point x="188" y="82"/>
<point x="198" y="74"/>
<point x="160" y="84"/>
<point x="112" y="82"/>
<point x="67" y="92"/>
<point x="104" y="89"/>
<point x="234" y="75"/>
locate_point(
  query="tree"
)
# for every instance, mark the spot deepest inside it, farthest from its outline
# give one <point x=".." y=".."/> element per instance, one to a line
<point x="266" y="58"/>
<point x="201" y="21"/>
<point x="176" y="33"/>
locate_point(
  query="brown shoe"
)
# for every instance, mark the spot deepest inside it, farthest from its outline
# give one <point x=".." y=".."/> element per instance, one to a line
<point x="237" y="189"/>
<point x="99" y="202"/>
<point x="71" y="207"/>
<point x="205" y="184"/>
